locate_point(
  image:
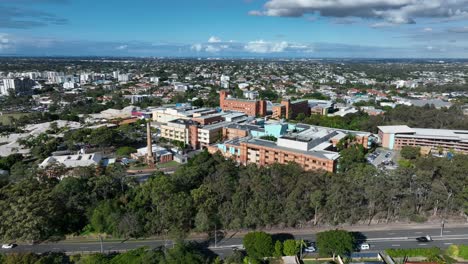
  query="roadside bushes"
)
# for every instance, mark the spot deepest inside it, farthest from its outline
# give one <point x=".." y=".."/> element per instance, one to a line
<point x="458" y="251"/>
<point x="463" y="251"/>
<point x="413" y="252"/>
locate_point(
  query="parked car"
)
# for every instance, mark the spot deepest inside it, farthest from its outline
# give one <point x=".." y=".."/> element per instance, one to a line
<point x="426" y="238"/>
<point x="310" y="249"/>
<point x="8" y="246"/>
<point x="364" y="246"/>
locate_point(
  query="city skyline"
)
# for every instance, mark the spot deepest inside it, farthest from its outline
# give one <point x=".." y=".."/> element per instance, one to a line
<point x="237" y="28"/>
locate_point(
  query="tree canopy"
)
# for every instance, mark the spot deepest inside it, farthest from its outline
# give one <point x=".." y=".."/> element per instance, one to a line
<point x="335" y="242"/>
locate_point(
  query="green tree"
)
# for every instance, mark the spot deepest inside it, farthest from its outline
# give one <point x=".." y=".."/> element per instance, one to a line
<point x="351" y="157"/>
<point x="53" y="258"/>
<point x="92" y="259"/>
<point x="125" y="151"/>
<point x="72" y="196"/>
<point x="29" y="212"/>
<point x="138" y="256"/>
<point x="236" y="257"/>
<point x="335" y="242"/>
<point x="410" y="153"/>
<point x="316" y="201"/>
<point x="278" y="249"/>
<point x="268" y="94"/>
<point x="183" y="253"/>
<point x="106" y="217"/>
<point x="291" y="247"/>
<point x="258" y="244"/>
<point x="20" y="258"/>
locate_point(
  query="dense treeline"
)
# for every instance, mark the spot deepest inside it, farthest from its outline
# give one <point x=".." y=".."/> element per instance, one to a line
<point x="181" y="253"/>
<point x="413" y="116"/>
<point x="212" y="192"/>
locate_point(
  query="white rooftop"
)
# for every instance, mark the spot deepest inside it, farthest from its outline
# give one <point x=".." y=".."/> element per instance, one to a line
<point x="442" y="133"/>
<point x="73" y="161"/>
<point x="396" y="129"/>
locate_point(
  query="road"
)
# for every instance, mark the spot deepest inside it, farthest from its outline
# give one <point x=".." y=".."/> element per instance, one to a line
<point x="378" y="240"/>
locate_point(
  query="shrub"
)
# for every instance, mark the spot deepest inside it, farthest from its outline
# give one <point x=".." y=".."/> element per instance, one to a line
<point x="278" y="249"/>
<point x="413" y="252"/>
<point x="452" y="251"/>
<point x="463" y="251"/>
<point x="418" y="218"/>
<point x="290" y="247"/>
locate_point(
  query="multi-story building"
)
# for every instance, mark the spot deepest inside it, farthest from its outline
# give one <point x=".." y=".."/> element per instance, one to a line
<point x="203" y="136"/>
<point x="178" y="130"/>
<point x="164" y="114"/>
<point x="396" y="137"/>
<point x="20" y="86"/>
<point x="313" y="148"/>
<point x="208" y="119"/>
<point x="288" y="109"/>
<point x="124" y="77"/>
<point x="249" y="107"/>
<point x="321" y="107"/>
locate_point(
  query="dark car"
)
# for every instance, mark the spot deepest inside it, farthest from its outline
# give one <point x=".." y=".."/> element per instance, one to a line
<point x="424" y="239"/>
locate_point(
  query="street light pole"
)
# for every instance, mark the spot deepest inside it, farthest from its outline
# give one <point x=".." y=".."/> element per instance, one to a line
<point x="302" y="242"/>
<point x="442" y="228"/>
<point x="102" y="246"/>
<point x="216" y="237"/>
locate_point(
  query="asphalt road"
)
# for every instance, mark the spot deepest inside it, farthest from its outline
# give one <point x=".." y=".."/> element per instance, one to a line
<point x="378" y="240"/>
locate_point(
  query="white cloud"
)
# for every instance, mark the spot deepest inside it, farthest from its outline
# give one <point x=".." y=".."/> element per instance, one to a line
<point x="391" y="11"/>
<point x="429" y="48"/>
<point x="212" y="49"/>
<point x="382" y="24"/>
<point x="121" y="47"/>
<point x="459" y="30"/>
<point x="196" y="47"/>
<point x="255" y="13"/>
<point x="261" y="46"/>
<point x="214" y="39"/>
<point x="428" y="29"/>
<point x="5" y="42"/>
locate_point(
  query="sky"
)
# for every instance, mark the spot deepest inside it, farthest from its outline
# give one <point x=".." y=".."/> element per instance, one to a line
<point x="235" y="28"/>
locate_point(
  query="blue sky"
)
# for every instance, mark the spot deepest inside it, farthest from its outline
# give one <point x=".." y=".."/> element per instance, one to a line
<point x="241" y="28"/>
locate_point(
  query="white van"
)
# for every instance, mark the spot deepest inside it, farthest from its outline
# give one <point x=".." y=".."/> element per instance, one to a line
<point x="364" y="246"/>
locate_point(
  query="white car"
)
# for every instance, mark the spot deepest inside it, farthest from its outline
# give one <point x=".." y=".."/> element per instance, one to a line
<point x="310" y="249"/>
<point x="364" y="246"/>
<point x="8" y="246"/>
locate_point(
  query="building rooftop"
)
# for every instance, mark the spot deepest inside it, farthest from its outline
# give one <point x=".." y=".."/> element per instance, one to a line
<point x="315" y="153"/>
<point x="72" y="161"/>
<point x="208" y="116"/>
<point x="243" y="100"/>
<point x="396" y="129"/>
<point x="182" y="122"/>
<point x="438" y="103"/>
<point x="243" y="126"/>
<point x="461" y="135"/>
<point x="215" y="126"/>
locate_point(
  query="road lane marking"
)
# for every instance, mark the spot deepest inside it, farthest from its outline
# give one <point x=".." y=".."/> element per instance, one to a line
<point x="418" y="232"/>
<point x="423" y="244"/>
<point x="448" y="243"/>
<point x="391" y="233"/>
<point x="397" y="245"/>
<point x="447" y="231"/>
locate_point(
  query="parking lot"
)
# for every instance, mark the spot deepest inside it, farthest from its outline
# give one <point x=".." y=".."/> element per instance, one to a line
<point x="382" y="158"/>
